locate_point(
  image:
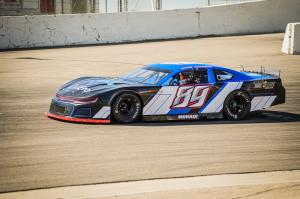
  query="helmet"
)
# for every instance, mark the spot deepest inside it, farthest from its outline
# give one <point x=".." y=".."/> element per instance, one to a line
<point x="186" y="77"/>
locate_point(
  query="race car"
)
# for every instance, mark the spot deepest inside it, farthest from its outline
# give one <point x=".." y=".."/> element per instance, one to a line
<point x="167" y="91"/>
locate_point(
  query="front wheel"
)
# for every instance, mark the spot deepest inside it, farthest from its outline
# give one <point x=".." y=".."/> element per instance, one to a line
<point x="237" y="105"/>
<point x="126" y="108"/>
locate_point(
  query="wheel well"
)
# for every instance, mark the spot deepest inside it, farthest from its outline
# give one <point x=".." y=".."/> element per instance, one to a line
<point x="235" y="91"/>
<point x="131" y="92"/>
<point x="247" y="93"/>
<point x="240" y="90"/>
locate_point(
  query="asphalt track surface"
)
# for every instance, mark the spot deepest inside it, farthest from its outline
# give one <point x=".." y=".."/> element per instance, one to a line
<point x="38" y="152"/>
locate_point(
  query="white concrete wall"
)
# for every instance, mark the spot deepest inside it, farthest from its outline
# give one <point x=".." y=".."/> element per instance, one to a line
<point x="60" y="30"/>
<point x="291" y="42"/>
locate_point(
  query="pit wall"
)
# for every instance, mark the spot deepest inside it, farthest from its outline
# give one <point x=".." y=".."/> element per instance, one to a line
<point x="81" y="29"/>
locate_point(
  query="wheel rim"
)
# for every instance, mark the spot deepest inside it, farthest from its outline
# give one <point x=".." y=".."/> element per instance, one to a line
<point x="127" y="107"/>
<point x="237" y="105"/>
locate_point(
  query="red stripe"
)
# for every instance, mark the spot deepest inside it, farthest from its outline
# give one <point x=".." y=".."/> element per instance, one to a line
<point x="82" y="120"/>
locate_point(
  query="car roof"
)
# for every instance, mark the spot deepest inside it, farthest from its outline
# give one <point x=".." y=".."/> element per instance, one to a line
<point x="179" y="66"/>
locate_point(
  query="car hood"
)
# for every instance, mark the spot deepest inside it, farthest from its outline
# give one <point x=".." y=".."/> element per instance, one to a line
<point x="89" y="86"/>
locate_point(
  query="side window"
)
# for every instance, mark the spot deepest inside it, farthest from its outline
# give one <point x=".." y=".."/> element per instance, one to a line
<point x="187" y="78"/>
<point x="200" y="77"/>
<point x="222" y="75"/>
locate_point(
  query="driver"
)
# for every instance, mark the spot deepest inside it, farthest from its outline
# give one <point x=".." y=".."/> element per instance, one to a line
<point x="182" y="79"/>
<point x="186" y="78"/>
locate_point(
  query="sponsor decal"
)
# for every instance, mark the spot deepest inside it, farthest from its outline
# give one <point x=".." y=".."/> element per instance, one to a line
<point x="80" y="88"/>
<point x="188" y="117"/>
<point x="263" y="84"/>
<point x="190" y="97"/>
<point x="268" y="84"/>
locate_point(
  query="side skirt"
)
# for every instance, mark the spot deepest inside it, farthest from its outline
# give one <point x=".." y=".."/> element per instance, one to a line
<point x="185" y="117"/>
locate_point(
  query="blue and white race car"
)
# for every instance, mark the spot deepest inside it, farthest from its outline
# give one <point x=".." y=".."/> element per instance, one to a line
<point x="167" y="91"/>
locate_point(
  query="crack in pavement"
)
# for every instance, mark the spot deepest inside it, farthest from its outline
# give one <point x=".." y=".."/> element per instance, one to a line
<point x="265" y="191"/>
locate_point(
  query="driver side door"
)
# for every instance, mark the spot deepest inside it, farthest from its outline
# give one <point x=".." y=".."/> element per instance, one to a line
<point x="179" y="97"/>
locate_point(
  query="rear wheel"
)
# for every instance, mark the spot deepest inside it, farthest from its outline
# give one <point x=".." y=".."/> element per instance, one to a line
<point x="126" y="108"/>
<point x="237" y="105"/>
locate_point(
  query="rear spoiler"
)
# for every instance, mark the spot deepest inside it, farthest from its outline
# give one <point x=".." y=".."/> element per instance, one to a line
<point x="262" y="71"/>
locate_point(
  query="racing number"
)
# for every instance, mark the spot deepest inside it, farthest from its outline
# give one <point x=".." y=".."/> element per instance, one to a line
<point x="190" y="97"/>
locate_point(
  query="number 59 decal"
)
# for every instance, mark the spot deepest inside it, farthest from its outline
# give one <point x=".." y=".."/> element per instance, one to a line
<point x="190" y="96"/>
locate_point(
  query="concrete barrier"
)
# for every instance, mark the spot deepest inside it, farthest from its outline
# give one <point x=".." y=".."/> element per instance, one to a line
<point x="80" y="29"/>
<point x="291" y="42"/>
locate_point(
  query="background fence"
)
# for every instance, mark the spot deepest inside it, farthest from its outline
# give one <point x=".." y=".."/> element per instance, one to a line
<point x="36" y="7"/>
<point x="78" y="29"/>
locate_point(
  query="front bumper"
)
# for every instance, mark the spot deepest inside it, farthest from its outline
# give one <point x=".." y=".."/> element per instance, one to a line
<point x="79" y="120"/>
<point x="82" y="113"/>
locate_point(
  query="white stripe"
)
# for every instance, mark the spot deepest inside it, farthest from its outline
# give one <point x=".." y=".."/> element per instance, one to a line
<point x="254" y="103"/>
<point x="269" y="102"/>
<point x="165" y="107"/>
<point x="103" y="112"/>
<point x="217" y="103"/>
<point x="262" y="102"/>
<point x="150" y="103"/>
<point x="160" y="104"/>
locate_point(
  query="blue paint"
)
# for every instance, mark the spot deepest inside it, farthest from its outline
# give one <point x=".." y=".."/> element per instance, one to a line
<point x="180" y="67"/>
<point x="178" y="111"/>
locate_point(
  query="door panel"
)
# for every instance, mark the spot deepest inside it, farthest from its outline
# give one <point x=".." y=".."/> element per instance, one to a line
<point x="176" y="100"/>
<point x="191" y="96"/>
<point x="161" y="103"/>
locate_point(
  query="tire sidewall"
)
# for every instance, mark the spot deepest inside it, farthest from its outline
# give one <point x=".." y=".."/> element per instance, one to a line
<point x="138" y="106"/>
<point x="246" y="109"/>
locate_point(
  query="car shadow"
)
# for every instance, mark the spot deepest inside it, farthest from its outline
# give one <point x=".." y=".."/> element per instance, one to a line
<point x="265" y="116"/>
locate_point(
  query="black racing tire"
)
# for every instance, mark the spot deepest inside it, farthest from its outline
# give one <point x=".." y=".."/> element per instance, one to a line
<point x="126" y="108"/>
<point x="237" y="105"/>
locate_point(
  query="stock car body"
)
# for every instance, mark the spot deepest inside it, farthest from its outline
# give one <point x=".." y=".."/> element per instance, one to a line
<point x="156" y="92"/>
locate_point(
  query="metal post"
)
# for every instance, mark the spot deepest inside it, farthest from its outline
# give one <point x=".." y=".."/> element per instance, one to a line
<point x="94" y="5"/>
<point x="158" y="4"/>
<point x="208" y="2"/>
<point x="125" y="5"/>
<point x="106" y="6"/>
<point x="120" y="5"/>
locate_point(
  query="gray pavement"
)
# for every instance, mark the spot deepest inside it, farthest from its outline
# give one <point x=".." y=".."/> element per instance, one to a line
<point x="37" y="152"/>
<point x="265" y="185"/>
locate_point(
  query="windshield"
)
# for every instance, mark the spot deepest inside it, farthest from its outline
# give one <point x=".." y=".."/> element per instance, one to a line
<point x="147" y="75"/>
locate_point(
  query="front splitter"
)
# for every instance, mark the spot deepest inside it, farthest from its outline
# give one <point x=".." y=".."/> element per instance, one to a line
<point x="78" y="120"/>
